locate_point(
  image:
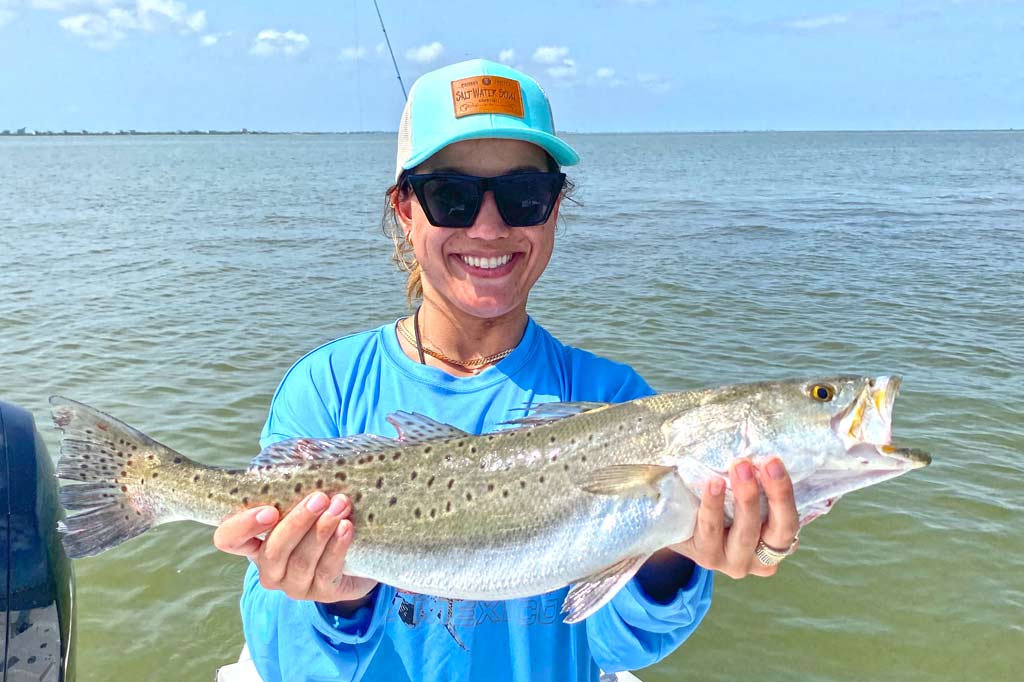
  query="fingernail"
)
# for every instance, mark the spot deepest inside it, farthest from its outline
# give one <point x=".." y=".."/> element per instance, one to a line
<point x="775" y="469"/>
<point x="337" y="505"/>
<point x="317" y="502"/>
<point x="344" y="528"/>
<point x="717" y="486"/>
<point x="745" y="471"/>
<point x="266" y="515"/>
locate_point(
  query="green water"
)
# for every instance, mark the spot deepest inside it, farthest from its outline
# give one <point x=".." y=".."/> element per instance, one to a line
<point x="172" y="281"/>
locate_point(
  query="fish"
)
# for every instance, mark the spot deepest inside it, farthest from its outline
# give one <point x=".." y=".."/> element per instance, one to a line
<point x="576" y="494"/>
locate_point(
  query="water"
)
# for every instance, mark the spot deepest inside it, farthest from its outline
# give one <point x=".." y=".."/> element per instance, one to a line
<point x="172" y="280"/>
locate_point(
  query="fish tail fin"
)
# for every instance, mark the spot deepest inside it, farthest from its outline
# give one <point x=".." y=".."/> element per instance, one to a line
<point x="110" y="464"/>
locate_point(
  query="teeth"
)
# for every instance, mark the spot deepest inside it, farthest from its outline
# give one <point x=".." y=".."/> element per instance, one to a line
<point x="487" y="263"/>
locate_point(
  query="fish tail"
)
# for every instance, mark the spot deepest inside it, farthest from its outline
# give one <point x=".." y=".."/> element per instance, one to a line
<point x="110" y="465"/>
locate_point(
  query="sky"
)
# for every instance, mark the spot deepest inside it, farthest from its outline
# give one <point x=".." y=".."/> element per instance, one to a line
<point x="607" y="65"/>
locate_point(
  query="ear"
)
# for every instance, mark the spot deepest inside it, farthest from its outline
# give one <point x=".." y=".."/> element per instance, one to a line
<point x="401" y="200"/>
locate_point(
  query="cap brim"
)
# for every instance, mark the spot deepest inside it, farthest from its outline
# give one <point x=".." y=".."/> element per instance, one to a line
<point x="562" y="153"/>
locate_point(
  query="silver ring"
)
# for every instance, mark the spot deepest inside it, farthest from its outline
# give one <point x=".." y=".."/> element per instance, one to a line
<point x="769" y="556"/>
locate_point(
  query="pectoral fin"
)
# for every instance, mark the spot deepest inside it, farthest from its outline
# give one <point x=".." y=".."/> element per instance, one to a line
<point x="594" y="591"/>
<point x="638" y="480"/>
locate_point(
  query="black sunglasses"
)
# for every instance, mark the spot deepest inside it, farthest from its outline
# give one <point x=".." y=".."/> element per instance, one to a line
<point x="451" y="200"/>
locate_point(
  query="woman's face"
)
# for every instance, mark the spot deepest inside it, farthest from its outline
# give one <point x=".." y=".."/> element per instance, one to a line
<point x="456" y="261"/>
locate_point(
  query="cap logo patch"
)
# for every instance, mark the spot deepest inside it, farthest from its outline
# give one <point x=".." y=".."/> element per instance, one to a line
<point x="487" y="95"/>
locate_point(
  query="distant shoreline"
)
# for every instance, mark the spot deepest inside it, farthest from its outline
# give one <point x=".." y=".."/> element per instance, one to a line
<point x="26" y="132"/>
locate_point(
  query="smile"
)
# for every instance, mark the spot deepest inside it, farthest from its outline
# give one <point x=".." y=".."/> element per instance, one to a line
<point x="486" y="263"/>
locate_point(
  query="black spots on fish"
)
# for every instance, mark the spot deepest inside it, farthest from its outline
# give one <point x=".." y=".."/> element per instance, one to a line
<point x="265" y="489"/>
<point x="177" y="460"/>
<point x="277" y="506"/>
<point x="124" y="488"/>
<point x="397" y="456"/>
<point x="622" y="427"/>
<point x="413" y="475"/>
<point x="490" y="437"/>
<point x="142" y="481"/>
<point x="461" y="444"/>
<point x="483" y="466"/>
<point x="552" y="439"/>
<point x="417" y="513"/>
<point x="590" y="437"/>
<point x="209" y="495"/>
<point x="522" y="484"/>
<point x="451" y="482"/>
<point x="565" y="467"/>
<point x="151" y="457"/>
<point x="195" y="479"/>
<point x="393" y="501"/>
<point x="369" y="517"/>
<point x="233" y="491"/>
<point x="359" y="496"/>
<point x="427" y="449"/>
<point x="380" y="483"/>
<point x="433" y="513"/>
<point x="381" y="458"/>
<point x="469" y="496"/>
<point x="319" y="483"/>
<point x="340" y="461"/>
<point x="448" y="506"/>
<point x="541" y="479"/>
<point x="430" y="481"/>
<point x="245" y="500"/>
<point x="287" y="476"/>
<point x="314" y="466"/>
<point x="472" y="450"/>
<point x="504" y="493"/>
<point x="123" y="473"/>
<point x="341" y="476"/>
<point x="298" y="487"/>
<point x="155" y="474"/>
<point x="86" y="457"/>
<point x="490" y="487"/>
<point x="583" y="458"/>
<point x="554" y="458"/>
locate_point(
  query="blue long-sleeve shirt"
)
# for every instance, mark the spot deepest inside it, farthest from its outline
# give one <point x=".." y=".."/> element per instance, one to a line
<point x="349" y="386"/>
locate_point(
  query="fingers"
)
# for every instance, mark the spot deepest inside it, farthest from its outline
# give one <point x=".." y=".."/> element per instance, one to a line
<point x="304" y="568"/>
<point x="746" y="525"/>
<point x="706" y="544"/>
<point x="783" y="522"/>
<point x="238" y="534"/>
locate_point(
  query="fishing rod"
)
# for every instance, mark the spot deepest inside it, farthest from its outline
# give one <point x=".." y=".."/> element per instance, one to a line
<point x="390" y="51"/>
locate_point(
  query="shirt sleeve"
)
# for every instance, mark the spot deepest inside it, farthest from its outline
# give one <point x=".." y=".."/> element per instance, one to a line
<point x="293" y="640"/>
<point x="633" y="631"/>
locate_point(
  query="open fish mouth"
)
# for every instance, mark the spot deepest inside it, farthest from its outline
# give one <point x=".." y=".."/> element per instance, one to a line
<point x="865" y="427"/>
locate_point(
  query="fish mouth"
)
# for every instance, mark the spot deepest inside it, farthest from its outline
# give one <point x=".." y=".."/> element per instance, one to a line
<point x="865" y="427"/>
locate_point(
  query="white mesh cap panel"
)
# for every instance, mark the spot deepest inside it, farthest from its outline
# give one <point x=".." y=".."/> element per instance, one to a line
<point x="404" y="138"/>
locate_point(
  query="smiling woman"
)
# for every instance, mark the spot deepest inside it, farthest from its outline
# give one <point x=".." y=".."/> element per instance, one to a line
<point x="478" y="187"/>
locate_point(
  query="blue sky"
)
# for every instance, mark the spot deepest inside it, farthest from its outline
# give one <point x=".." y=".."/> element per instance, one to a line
<point x="608" y="65"/>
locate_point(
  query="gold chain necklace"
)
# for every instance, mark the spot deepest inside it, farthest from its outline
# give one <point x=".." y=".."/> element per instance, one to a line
<point x="474" y="365"/>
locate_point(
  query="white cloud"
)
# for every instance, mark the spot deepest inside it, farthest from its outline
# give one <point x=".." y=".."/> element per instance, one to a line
<point x="6" y="17"/>
<point x="209" y="40"/>
<point x="604" y="72"/>
<point x="98" y="31"/>
<point x="507" y="56"/>
<point x="270" y="42"/>
<point x="550" y="55"/>
<point x="653" y="82"/>
<point x="353" y="54"/>
<point x="107" y="23"/>
<point x="425" y="53"/>
<point x="565" y="70"/>
<point x="379" y="49"/>
<point x="811" y="23"/>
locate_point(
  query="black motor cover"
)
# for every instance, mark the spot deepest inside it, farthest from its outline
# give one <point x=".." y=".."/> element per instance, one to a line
<point x="36" y="580"/>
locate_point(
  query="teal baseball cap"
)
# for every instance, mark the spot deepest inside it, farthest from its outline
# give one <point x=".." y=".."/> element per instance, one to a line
<point x="472" y="100"/>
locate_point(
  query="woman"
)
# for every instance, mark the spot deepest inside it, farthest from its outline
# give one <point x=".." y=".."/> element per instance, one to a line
<point x="476" y="200"/>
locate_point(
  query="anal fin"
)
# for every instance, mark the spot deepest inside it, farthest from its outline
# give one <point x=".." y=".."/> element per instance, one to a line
<point x="594" y="591"/>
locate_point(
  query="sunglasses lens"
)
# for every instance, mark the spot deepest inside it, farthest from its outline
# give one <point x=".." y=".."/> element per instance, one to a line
<point x="452" y="202"/>
<point x="526" y="199"/>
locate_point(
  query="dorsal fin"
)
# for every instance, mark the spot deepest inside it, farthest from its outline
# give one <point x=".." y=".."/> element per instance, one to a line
<point x="417" y="428"/>
<point x="552" y="412"/>
<point x="300" y="450"/>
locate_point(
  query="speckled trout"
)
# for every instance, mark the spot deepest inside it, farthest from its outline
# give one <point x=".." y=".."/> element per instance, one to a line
<point x="572" y="493"/>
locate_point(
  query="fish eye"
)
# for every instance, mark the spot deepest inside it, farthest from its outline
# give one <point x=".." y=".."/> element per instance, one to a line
<point x="823" y="393"/>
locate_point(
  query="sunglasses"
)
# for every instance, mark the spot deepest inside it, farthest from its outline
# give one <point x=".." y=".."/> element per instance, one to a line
<point x="523" y="199"/>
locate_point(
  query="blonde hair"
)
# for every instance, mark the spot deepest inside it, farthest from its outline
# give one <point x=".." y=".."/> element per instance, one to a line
<point x="404" y="256"/>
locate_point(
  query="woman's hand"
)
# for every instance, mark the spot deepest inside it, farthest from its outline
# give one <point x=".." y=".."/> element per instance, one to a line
<point x="304" y="554"/>
<point x="731" y="550"/>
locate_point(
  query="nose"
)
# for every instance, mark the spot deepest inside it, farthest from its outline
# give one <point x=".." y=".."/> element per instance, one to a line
<point x="488" y="224"/>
